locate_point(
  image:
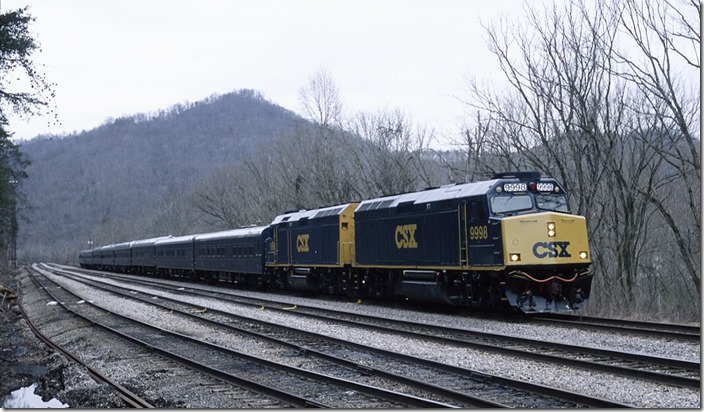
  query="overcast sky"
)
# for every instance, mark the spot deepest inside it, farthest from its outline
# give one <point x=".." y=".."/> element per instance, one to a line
<point x="111" y="58"/>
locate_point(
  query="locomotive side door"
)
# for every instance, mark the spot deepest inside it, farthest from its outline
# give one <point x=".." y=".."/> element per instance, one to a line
<point x="270" y="246"/>
<point x="484" y="235"/>
<point x="464" y="242"/>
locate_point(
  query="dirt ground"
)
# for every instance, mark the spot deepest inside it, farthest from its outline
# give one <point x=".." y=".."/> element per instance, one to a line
<point x="25" y="360"/>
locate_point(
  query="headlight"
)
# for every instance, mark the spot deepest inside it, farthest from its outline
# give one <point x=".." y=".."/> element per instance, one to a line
<point x="515" y="257"/>
<point x="583" y="255"/>
<point x="551" y="229"/>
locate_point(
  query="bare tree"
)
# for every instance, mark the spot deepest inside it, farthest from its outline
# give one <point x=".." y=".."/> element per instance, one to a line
<point x="473" y="146"/>
<point x="221" y="198"/>
<point x="247" y="193"/>
<point x="389" y="157"/>
<point x="320" y="99"/>
<point x="566" y="114"/>
<point x="667" y="39"/>
<point x="176" y="216"/>
<point x="325" y="173"/>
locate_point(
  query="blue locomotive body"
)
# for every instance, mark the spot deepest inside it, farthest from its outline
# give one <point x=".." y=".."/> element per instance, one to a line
<point x="509" y="242"/>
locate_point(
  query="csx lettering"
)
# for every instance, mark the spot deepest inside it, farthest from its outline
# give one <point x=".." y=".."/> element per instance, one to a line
<point x="405" y="236"/>
<point x="302" y="243"/>
<point x="542" y="250"/>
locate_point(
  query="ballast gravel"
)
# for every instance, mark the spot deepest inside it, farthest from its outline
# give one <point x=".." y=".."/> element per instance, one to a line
<point x="638" y="393"/>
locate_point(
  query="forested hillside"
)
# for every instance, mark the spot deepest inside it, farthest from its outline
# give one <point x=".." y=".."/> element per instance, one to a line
<point x="126" y="168"/>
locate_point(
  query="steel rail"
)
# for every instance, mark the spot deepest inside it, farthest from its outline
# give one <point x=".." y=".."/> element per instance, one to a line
<point x="472" y="401"/>
<point x="584" y="364"/>
<point x="541" y="389"/>
<point x="402" y="398"/>
<point x="663" y="330"/>
<point x="658" y="377"/>
<point x="253" y="386"/>
<point x="130" y="398"/>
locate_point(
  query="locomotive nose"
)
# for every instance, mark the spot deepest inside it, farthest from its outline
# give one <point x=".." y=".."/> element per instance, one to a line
<point x="547" y="238"/>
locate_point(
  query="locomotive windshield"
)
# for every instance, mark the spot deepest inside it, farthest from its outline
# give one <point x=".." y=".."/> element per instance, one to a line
<point x="511" y="204"/>
<point x="557" y="203"/>
<point x="501" y="205"/>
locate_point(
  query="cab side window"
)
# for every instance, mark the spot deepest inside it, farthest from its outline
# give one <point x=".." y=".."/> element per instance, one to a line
<point x="477" y="211"/>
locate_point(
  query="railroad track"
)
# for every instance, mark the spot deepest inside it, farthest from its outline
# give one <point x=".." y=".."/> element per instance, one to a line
<point x="299" y="387"/>
<point x="257" y="396"/>
<point x="660" y="330"/>
<point x="131" y="399"/>
<point x="641" y="328"/>
<point x="661" y="370"/>
<point x="144" y="336"/>
<point x="450" y="382"/>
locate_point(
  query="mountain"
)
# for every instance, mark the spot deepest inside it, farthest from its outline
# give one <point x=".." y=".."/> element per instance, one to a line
<point x="128" y="166"/>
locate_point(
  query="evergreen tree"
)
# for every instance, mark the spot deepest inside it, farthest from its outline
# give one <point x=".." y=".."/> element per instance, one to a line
<point x="16" y="48"/>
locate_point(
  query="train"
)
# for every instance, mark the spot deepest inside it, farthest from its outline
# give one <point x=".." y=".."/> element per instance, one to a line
<point x="509" y="243"/>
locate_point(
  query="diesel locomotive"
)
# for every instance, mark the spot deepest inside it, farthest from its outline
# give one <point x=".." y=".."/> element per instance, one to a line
<point x="509" y="243"/>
